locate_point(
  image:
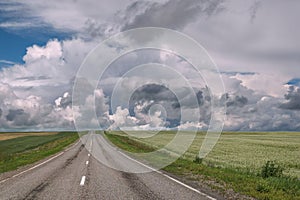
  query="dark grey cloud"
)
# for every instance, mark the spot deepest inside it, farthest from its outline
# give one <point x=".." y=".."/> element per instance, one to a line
<point x="174" y="14"/>
<point x="13" y="113"/>
<point x="19" y="118"/>
<point x="151" y="94"/>
<point x="261" y="113"/>
<point x="253" y="10"/>
<point x="292" y="99"/>
<point x="236" y="101"/>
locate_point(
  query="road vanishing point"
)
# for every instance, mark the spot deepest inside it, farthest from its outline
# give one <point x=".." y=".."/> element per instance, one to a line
<point x="76" y="174"/>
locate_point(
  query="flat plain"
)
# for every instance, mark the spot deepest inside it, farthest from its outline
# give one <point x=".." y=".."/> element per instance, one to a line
<point x="11" y="135"/>
<point x="20" y="149"/>
<point x="239" y="150"/>
<point x="235" y="166"/>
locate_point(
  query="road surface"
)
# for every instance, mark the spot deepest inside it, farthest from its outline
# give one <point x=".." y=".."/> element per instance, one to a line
<point x="76" y="174"/>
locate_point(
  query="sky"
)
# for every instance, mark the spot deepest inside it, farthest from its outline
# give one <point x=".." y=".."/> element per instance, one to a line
<point x="255" y="45"/>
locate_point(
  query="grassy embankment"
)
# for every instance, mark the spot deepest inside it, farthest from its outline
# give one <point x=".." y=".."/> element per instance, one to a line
<point x="23" y="150"/>
<point x="236" y="162"/>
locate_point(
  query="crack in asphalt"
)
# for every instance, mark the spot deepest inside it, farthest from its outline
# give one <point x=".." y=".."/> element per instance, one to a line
<point x="139" y="186"/>
<point x="33" y="193"/>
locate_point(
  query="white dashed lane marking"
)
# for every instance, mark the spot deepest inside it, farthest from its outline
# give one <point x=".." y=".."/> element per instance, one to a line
<point x="82" y="181"/>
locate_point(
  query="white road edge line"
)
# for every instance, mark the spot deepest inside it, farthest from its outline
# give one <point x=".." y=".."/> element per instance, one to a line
<point x="82" y="181"/>
<point x="38" y="165"/>
<point x="87" y="162"/>
<point x="169" y="177"/>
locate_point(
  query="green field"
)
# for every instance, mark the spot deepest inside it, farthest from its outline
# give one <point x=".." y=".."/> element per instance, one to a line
<point x="25" y="150"/>
<point x="235" y="163"/>
<point x="248" y="151"/>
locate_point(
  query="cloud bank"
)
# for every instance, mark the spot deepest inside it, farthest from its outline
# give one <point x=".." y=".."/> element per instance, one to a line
<point x="258" y="59"/>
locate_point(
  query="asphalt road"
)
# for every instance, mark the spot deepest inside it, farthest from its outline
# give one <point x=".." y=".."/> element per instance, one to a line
<point x="76" y="174"/>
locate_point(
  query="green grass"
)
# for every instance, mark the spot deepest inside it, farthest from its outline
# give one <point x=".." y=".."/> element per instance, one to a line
<point x="235" y="162"/>
<point x="29" y="149"/>
<point x="244" y="151"/>
<point x="241" y="182"/>
<point x="127" y="144"/>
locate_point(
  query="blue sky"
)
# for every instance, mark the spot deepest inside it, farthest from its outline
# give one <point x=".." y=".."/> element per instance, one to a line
<point x="294" y="81"/>
<point x="13" y="47"/>
<point x="14" y="42"/>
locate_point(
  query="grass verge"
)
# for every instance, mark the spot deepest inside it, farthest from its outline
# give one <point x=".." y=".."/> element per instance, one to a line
<point x="223" y="179"/>
<point x="128" y="144"/>
<point x="26" y="150"/>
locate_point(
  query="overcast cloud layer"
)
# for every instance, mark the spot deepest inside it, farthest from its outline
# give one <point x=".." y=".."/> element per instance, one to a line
<point x="254" y="43"/>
